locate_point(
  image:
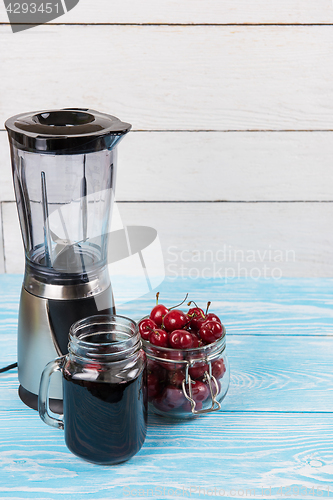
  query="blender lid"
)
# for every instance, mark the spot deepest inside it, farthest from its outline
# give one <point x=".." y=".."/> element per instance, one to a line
<point x="65" y="131"/>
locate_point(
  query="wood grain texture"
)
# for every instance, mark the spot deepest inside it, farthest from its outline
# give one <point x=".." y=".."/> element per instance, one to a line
<point x="226" y="451"/>
<point x="224" y="240"/>
<point x="253" y="444"/>
<point x="211" y="11"/>
<point x="13" y="245"/>
<point x="283" y="374"/>
<point x="6" y="184"/>
<point x="182" y="78"/>
<point x="301" y="307"/>
<point x="226" y="166"/>
<point x="235" y="239"/>
<point x="242" y="166"/>
<point x="273" y="367"/>
<point x="2" y="258"/>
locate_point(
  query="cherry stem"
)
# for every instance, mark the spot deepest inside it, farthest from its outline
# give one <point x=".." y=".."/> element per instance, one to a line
<point x="189" y="321"/>
<point x="179" y="304"/>
<point x="192" y="302"/>
<point x="208" y="305"/>
<point x="157" y="296"/>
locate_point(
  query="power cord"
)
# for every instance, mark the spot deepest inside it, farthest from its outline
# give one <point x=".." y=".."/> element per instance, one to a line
<point x="9" y="367"/>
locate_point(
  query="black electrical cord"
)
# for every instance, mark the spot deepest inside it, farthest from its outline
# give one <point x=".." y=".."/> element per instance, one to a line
<point x="9" y="367"/>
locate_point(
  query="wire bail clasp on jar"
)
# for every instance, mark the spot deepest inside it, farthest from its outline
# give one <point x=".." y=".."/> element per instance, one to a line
<point x="209" y="377"/>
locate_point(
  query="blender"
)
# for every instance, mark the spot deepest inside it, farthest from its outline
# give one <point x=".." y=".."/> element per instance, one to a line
<point x="64" y="170"/>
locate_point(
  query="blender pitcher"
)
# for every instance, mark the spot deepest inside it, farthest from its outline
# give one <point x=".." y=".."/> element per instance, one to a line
<point x="64" y="169"/>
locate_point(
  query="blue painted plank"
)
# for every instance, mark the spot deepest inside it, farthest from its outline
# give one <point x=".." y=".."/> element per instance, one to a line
<point x="258" y="307"/>
<point x="235" y="450"/>
<point x="280" y="373"/>
<point x="222" y="451"/>
<point x="267" y="374"/>
<point x="262" y="307"/>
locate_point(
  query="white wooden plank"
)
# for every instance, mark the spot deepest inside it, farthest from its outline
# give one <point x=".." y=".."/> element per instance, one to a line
<point x="246" y="166"/>
<point x="13" y="246"/>
<point x="6" y="184"/>
<point x="223" y="240"/>
<point x="196" y="11"/>
<point x="230" y="452"/>
<point x="215" y="166"/>
<point x="249" y="166"/>
<point x="183" y="78"/>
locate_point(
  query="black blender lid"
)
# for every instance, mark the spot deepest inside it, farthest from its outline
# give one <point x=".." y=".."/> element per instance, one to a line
<point x="65" y="131"/>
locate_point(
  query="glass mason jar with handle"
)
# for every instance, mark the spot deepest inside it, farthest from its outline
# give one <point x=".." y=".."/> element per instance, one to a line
<point x="104" y="386"/>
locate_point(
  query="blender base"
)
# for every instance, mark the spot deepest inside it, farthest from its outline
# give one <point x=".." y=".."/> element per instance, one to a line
<point x="31" y="400"/>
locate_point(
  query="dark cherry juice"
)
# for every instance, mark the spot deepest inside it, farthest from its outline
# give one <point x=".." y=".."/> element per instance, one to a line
<point x="105" y="422"/>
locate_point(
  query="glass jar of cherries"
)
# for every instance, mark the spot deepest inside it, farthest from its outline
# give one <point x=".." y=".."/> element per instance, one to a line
<point x="188" y="369"/>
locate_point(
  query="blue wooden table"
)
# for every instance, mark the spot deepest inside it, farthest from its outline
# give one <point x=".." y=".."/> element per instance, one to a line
<point x="272" y="439"/>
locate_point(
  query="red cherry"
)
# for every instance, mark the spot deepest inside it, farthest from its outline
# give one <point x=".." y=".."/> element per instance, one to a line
<point x="195" y="312"/>
<point x="176" y="378"/>
<point x="210" y="331"/>
<point x="187" y="406"/>
<point x="212" y="317"/>
<point x="153" y="386"/>
<point x="200" y="391"/>
<point x="159" y="371"/>
<point x="174" y="339"/>
<point x="195" y="340"/>
<point x="161" y="404"/>
<point x="218" y="368"/>
<point x="157" y="314"/>
<point x="218" y="388"/>
<point x="175" y="320"/>
<point x="180" y="339"/>
<point x="171" y="355"/>
<point x="171" y="398"/>
<point x="93" y="367"/>
<point x="197" y="317"/>
<point x="145" y="328"/>
<point x="152" y="365"/>
<point x="186" y="340"/>
<point x="198" y="370"/>
<point x="159" y="338"/>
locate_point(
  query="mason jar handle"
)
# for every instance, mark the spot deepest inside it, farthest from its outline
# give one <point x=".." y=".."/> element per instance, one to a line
<point x="43" y="397"/>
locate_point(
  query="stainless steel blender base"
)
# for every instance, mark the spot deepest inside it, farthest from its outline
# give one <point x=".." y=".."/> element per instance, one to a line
<point x="43" y="335"/>
<point x="31" y="400"/>
<point x="35" y="345"/>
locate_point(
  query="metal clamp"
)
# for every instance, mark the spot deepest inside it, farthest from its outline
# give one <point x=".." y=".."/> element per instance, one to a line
<point x="209" y="377"/>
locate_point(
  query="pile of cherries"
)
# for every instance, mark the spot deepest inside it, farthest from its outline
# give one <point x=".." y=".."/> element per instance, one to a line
<point x="178" y="330"/>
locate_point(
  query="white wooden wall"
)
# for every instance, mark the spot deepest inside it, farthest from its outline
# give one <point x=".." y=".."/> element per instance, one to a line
<point x="231" y="104"/>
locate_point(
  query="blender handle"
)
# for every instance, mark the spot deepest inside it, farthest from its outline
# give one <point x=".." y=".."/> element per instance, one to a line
<point x="43" y="397"/>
